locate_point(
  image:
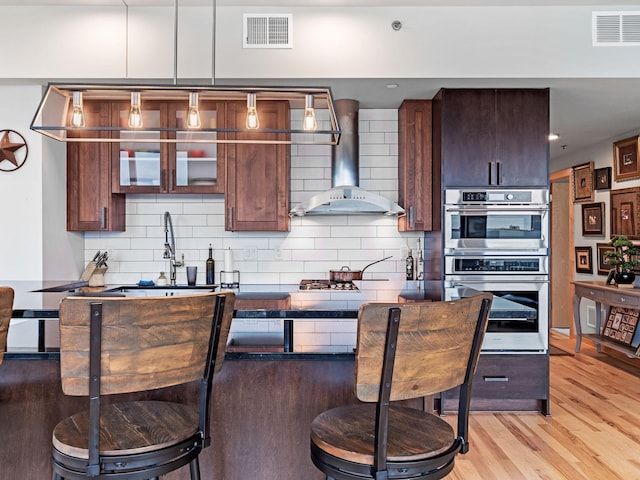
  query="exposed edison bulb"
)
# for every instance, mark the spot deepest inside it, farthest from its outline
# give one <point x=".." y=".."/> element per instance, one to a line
<point x="135" y="114"/>
<point x="193" y="114"/>
<point x="309" y="121"/>
<point x="77" y="112"/>
<point x="252" y="114"/>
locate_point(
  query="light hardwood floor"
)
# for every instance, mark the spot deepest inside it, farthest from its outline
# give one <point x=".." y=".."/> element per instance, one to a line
<point x="593" y="432"/>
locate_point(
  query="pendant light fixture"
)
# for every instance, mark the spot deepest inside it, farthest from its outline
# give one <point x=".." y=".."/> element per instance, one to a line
<point x="77" y="111"/>
<point x="253" y="122"/>
<point x="193" y="114"/>
<point x="309" y="121"/>
<point x="53" y="117"/>
<point x="135" y="114"/>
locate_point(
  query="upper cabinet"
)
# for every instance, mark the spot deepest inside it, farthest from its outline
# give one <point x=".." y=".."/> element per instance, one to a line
<point x="418" y="176"/>
<point x="183" y="167"/>
<point x="257" y="190"/>
<point x="90" y="203"/>
<point x="492" y="137"/>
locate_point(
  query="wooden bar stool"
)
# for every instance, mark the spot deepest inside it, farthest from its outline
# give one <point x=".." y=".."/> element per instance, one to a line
<point x="113" y="345"/>
<point x="403" y="351"/>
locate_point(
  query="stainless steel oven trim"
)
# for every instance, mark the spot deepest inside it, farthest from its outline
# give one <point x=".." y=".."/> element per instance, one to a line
<point x="530" y="246"/>
<point x="449" y="265"/>
<point x="499" y="209"/>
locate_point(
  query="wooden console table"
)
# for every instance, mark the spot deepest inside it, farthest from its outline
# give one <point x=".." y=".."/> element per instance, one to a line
<point x="604" y="296"/>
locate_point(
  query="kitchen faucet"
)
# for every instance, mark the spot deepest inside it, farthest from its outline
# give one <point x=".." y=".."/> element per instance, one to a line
<point x="170" y="248"/>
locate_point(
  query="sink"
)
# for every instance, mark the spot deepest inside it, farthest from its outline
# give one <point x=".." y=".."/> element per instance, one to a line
<point x="164" y="291"/>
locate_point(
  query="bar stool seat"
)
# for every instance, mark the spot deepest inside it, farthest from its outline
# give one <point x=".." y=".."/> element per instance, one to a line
<point x="128" y="428"/>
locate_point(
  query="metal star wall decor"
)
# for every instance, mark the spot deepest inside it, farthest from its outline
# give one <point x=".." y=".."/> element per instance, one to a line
<point x="13" y="150"/>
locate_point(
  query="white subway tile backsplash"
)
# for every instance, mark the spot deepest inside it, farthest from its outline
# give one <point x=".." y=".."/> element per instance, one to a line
<point x="350" y="231"/>
<point x="374" y="149"/>
<point x="312" y="247"/>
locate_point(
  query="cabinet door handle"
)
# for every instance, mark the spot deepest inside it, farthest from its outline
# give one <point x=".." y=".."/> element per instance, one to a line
<point x="412" y="218"/>
<point x="172" y="180"/>
<point x="490" y="180"/>
<point x="163" y="179"/>
<point x="103" y="218"/>
<point x="230" y="217"/>
<point x="495" y="378"/>
<point x="498" y="173"/>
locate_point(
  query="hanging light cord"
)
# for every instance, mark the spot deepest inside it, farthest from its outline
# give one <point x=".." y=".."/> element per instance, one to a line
<point x="213" y="44"/>
<point x="175" y="42"/>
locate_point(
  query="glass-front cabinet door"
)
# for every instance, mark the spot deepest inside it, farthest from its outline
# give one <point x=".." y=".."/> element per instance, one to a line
<point x="188" y="166"/>
<point x="138" y="167"/>
<point x="195" y="162"/>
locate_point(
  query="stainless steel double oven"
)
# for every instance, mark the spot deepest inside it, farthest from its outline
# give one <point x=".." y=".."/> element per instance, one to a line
<point x="498" y="241"/>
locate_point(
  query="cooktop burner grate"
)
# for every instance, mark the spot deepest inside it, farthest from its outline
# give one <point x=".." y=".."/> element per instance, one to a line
<point x="327" y="285"/>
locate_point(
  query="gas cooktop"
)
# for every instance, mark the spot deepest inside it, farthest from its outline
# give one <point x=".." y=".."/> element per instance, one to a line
<point x="327" y="285"/>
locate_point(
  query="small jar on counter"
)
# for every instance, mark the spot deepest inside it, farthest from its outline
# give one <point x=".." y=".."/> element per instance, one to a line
<point x="162" y="280"/>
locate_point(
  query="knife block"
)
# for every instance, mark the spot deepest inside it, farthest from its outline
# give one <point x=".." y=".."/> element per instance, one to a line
<point x="94" y="274"/>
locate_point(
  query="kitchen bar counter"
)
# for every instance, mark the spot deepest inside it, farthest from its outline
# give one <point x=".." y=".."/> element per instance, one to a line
<point x="284" y="303"/>
<point x="31" y="302"/>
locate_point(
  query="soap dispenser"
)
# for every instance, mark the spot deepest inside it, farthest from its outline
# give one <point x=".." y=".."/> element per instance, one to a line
<point x="162" y="280"/>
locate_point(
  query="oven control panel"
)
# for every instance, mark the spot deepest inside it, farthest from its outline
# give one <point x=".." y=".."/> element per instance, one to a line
<point x="496" y="197"/>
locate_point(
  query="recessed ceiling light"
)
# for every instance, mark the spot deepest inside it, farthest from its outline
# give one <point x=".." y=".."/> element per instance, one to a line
<point x="392" y="85"/>
<point x="553" y="136"/>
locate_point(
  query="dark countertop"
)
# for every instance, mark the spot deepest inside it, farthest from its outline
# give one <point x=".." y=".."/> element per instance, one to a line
<point x="31" y="302"/>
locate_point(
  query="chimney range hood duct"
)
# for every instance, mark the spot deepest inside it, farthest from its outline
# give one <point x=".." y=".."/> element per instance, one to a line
<point x="346" y="197"/>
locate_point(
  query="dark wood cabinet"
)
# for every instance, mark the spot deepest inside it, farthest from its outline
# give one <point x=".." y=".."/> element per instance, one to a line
<point x="193" y="165"/>
<point x="492" y="137"/>
<point x="418" y="176"/>
<point x="507" y="382"/>
<point x="257" y="189"/>
<point x="91" y="205"/>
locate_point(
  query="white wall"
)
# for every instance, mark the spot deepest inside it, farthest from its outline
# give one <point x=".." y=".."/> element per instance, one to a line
<point x="21" y="216"/>
<point x="34" y="243"/>
<point x="313" y="246"/>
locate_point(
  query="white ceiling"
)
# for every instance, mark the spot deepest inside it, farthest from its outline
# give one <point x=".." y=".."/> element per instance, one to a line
<point x="583" y="111"/>
<point x="320" y="3"/>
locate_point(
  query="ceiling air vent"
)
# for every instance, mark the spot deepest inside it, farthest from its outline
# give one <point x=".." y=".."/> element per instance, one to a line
<point x="615" y="28"/>
<point x="268" y="30"/>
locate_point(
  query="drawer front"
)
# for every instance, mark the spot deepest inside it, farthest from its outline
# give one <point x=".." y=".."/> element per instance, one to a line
<point x="510" y="377"/>
<point x="595" y="295"/>
<point x="621" y="299"/>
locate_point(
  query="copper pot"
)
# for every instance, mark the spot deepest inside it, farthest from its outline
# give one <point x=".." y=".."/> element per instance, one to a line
<point x="345" y="274"/>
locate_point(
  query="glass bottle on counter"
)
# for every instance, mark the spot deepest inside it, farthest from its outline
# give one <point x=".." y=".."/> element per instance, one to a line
<point x="419" y="266"/>
<point x="210" y="267"/>
<point x="409" y="265"/>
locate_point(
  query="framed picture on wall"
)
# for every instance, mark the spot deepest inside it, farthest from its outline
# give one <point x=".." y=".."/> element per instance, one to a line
<point x="582" y="179"/>
<point x="593" y="219"/>
<point x="625" y="159"/>
<point x="583" y="260"/>
<point x="625" y="213"/>
<point x="602" y="178"/>
<point x="603" y="267"/>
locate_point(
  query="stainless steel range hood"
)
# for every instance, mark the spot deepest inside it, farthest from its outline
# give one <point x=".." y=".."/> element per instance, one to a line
<point x="346" y="197"/>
